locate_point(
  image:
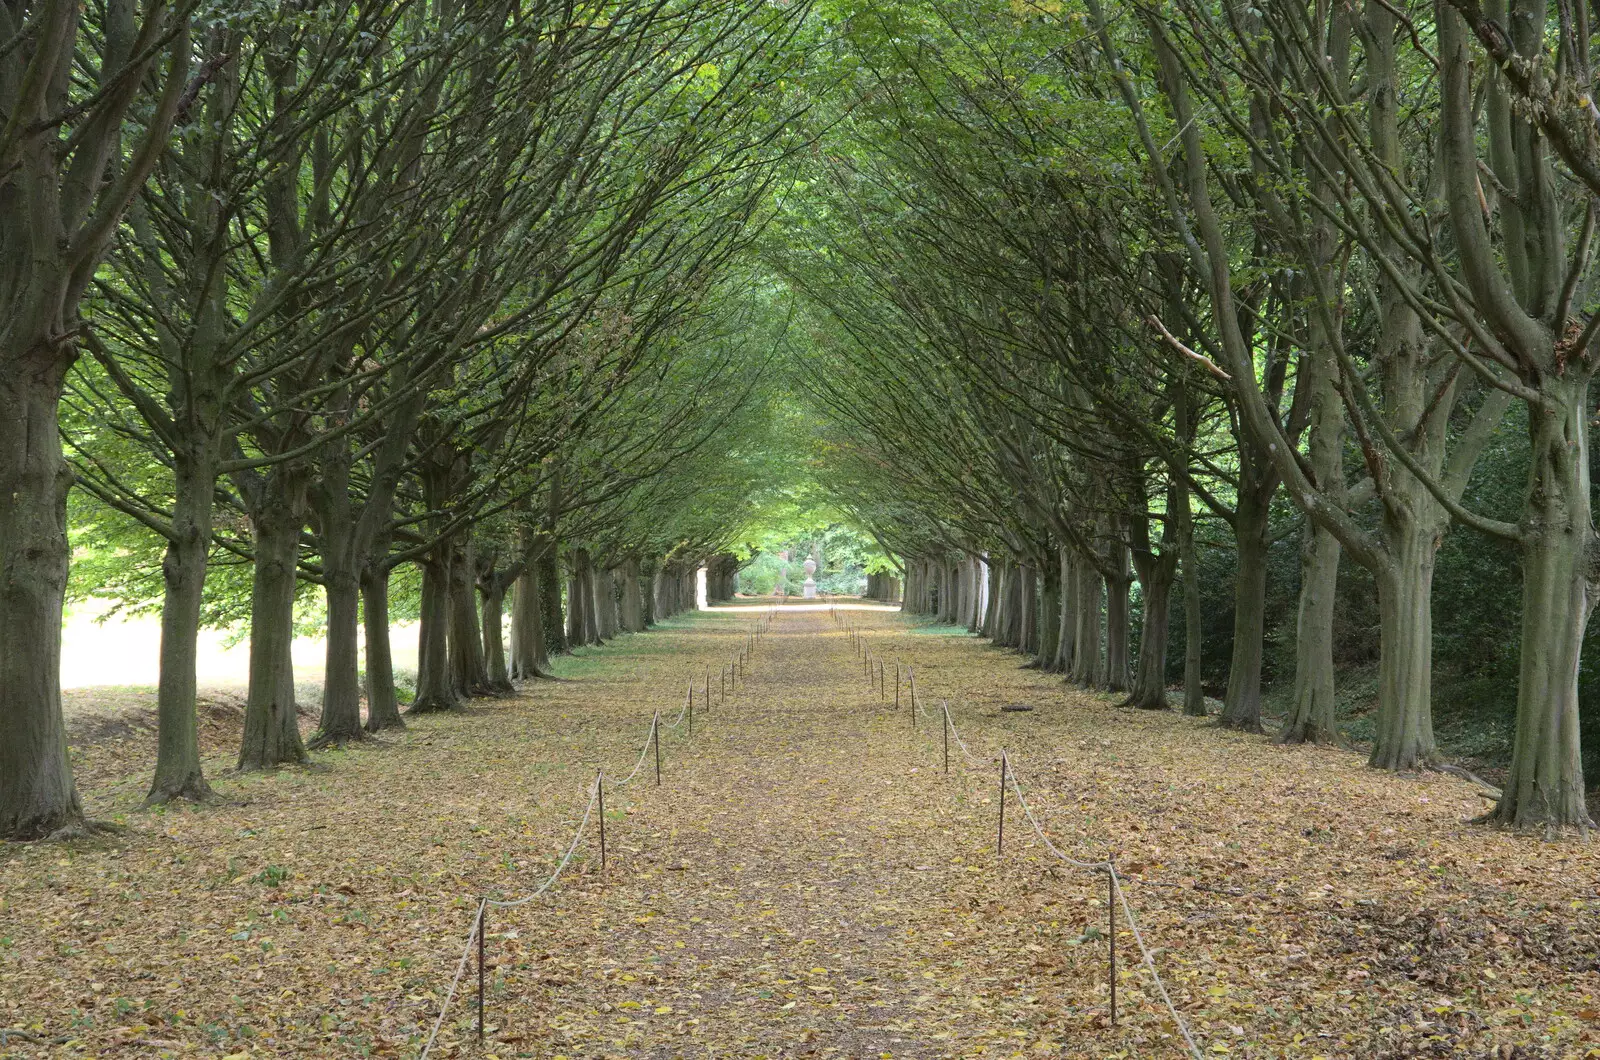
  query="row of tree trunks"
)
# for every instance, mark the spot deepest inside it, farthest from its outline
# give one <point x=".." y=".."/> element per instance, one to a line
<point x="673" y="589"/>
<point x="885" y="588"/>
<point x="722" y="577"/>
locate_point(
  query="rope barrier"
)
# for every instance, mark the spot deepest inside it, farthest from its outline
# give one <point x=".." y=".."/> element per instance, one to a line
<point x="1101" y="866"/>
<point x="1149" y="961"/>
<point x="461" y="970"/>
<point x="1108" y="867"/>
<point x="643" y="754"/>
<point x="596" y="794"/>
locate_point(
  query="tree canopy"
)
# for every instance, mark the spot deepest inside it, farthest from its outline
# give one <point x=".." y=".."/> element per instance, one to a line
<point x="1096" y="327"/>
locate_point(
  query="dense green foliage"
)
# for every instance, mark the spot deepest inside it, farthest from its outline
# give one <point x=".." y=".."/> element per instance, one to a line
<point x="1101" y="329"/>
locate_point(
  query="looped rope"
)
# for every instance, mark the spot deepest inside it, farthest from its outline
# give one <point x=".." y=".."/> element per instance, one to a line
<point x="655" y="720"/>
<point x="1108" y="867"/>
<point x="594" y="795"/>
<point x="1149" y="961"/>
<point x="461" y="969"/>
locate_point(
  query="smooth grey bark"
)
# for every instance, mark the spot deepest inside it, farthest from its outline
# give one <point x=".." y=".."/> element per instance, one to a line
<point x="341" y="586"/>
<point x="1067" y="620"/>
<point x="1545" y="784"/>
<point x="605" y="603"/>
<point x="1118" y="673"/>
<point x="435" y="690"/>
<point x="1156" y="572"/>
<point x="469" y="671"/>
<point x="37" y="793"/>
<point x="528" y="653"/>
<point x="492" y="604"/>
<point x="271" y="717"/>
<point x="383" y="705"/>
<point x="1241" y="706"/>
<point x="1311" y="716"/>
<point x="1049" y="620"/>
<point x="178" y="774"/>
<point x="555" y="635"/>
<point x="991" y="607"/>
<point x="631" y="590"/>
<point x="1194" y="693"/>
<point x="1087" y="666"/>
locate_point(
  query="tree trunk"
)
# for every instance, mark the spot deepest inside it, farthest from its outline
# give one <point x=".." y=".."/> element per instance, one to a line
<point x="555" y="636"/>
<point x="991" y="604"/>
<point x="646" y="589"/>
<point x="1241" y="706"/>
<point x="1086" y="657"/>
<point x="605" y="603"/>
<point x="1068" y="618"/>
<point x="1405" y="690"/>
<point x="1119" y="619"/>
<point x="383" y="706"/>
<point x="632" y="605"/>
<point x="1156" y="575"/>
<point x="1028" y="610"/>
<point x="528" y="658"/>
<point x="341" y="679"/>
<point x="1049" y="620"/>
<point x="183" y="571"/>
<point x="435" y="691"/>
<point x="469" y="673"/>
<point x="37" y="793"/>
<point x="493" y="605"/>
<point x="1545" y="784"/>
<point x="271" y="721"/>
<point x="1311" y="715"/>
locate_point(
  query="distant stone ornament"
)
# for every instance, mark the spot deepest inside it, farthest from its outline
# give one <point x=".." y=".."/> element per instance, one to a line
<point x="810" y="588"/>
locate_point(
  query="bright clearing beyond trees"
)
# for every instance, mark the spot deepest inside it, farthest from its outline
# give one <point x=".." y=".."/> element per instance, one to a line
<point x="1195" y="396"/>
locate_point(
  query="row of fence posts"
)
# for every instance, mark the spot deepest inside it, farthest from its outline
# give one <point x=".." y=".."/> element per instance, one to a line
<point x="858" y="641"/>
<point x="731" y="673"/>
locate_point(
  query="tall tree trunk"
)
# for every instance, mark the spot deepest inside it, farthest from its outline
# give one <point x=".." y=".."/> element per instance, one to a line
<point x="469" y="673"/>
<point x="991" y="604"/>
<point x="1067" y="619"/>
<point x="37" y="793"/>
<point x="1405" y="720"/>
<point x="1241" y="706"/>
<point x="383" y="705"/>
<point x="341" y="680"/>
<point x="1119" y="621"/>
<point x="1049" y="621"/>
<point x="1027" y="610"/>
<point x="435" y="690"/>
<point x="528" y="657"/>
<point x="605" y="603"/>
<point x="1311" y="714"/>
<point x="493" y="605"/>
<point x="1545" y="785"/>
<point x="632" y="592"/>
<point x="555" y="636"/>
<point x="1156" y="574"/>
<point x="1086" y="656"/>
<point x="647" y="597"/>
<point x="183" y="572"/>
<point x="341" y="585"/>
<point x="580" y="601"/>
<point x="271" y="721"/>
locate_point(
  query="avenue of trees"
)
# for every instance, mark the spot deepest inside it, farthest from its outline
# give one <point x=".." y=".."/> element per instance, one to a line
<point x="1110" y="301"/>
<point x="297" y="297"/>
<point x="1167" y="341"/>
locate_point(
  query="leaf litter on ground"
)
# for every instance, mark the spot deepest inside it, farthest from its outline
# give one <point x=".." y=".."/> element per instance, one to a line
<point x="806" y="881"/>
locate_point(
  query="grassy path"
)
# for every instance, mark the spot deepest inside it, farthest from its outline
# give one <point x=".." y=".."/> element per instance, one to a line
<point x="805" y="882"/>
